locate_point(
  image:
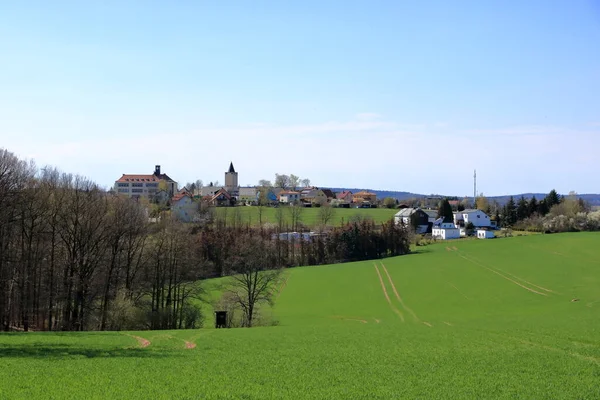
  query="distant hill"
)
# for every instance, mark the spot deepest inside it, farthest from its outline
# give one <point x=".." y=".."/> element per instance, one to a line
<point x="591" y="198"/>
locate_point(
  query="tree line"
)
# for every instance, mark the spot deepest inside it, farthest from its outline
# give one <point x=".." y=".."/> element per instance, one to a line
<point x="75" y="257"/>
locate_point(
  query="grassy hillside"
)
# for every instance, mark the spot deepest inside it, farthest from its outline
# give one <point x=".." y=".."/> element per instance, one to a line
<point x="309" y="217"/>
<point x="463" y="319"/>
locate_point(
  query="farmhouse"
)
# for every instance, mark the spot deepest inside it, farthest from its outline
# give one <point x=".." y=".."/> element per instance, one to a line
<point x="288" y="196"/>
<point x="183" y="207"/>
<point x="221" y="198"/>
<point x="413" y="217"/>
<point x="313" y="195"/>
<point x="445" y="231"/>
<point x="364" y="197"/>
<point x="477" y="217"/>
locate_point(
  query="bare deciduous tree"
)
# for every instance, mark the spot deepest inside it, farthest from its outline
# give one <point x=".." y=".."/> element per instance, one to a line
<point x="282" y="181"/>
<point x="326" y="213"/>
<point x="294" y="181"/>
<point x="254" y="275"/>
<point x="295" y="212"/>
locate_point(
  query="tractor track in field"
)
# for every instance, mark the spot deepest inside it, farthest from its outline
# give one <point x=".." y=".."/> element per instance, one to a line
<point x="387" y="297"/>
<point x="283" y="285"/>
<point x="558" y="350"/>
<point x="364" y="321"/>
<point x="188" y="345"/>
<point x="524" y="341"/>
<point x="501" y="275"/>
<point x="141" y="341"/>
<point x="517" y="277"/>
<point x="459" y="291"/>
<point x="408" y="309"/>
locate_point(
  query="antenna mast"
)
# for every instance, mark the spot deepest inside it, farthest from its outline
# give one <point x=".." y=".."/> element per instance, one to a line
<point x="474" y="185"/>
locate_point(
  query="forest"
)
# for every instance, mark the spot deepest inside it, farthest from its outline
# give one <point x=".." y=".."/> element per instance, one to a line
<point x="76" y="257"/>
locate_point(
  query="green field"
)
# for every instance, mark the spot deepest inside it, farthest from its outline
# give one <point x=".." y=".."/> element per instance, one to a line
<point x="465" y="319"/>
<point x="309" y="216"/>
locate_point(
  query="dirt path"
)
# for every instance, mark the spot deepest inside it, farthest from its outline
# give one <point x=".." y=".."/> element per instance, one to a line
<point x="141" y="341"/>
<point x="411" y="312"/>
<point x="447" y="323"/>
<point x="502" y="276"/>
<point x="387" y="297"/>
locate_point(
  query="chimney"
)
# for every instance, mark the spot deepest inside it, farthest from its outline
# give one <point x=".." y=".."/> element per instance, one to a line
<point x="157" y="170"/>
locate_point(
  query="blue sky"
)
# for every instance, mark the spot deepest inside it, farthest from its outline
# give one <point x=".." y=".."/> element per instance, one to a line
<point x="394" y="95"/>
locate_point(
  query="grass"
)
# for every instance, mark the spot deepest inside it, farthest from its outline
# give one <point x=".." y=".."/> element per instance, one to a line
<point x="474" y="327"/>
<point x="309" y="216"/>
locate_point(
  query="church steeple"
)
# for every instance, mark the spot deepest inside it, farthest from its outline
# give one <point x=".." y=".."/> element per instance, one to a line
<point x="231" y="179"/>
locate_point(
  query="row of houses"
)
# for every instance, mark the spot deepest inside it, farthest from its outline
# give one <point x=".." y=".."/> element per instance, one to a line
<point x="426" y="221"/>
<point x="160" y="188"/>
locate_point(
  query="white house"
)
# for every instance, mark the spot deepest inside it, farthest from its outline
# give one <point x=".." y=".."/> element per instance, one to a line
<point x="485" y="234"/>
<point x="184" y="208"/>
<point x="445" y="231"/>
<point x="477" y="217"/>
<point x="289" y="196"/>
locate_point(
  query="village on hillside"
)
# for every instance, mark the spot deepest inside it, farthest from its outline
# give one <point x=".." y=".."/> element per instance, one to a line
<point x="161" y="190"/>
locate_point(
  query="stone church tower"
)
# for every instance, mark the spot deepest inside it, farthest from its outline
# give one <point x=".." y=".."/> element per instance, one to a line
<point x="231" y="180"/>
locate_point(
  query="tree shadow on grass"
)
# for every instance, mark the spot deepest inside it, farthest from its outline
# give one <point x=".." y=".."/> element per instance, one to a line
<point x="50" y="351"/>
<point x="420" y="250"/>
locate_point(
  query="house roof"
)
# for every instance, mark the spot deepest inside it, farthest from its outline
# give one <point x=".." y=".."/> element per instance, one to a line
<point x="138" y="178"/>
<point x="406" y="212"/>
<point x="344" y="194"/>
<point x="248" y="191"/>
<point x="364" y="193"/>
<point x="223" y="192"/>
<point x="431" y="213"/>
<point x="328" y="193"/>
<point x="180" y="196"/>
<point x="471" y="210"/>
<point x="164" y="176"/>
<point x="284" y="192"/>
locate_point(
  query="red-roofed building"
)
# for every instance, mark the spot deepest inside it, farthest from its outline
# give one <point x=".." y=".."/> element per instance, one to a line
<point x="345" y="197"/>
<point x="140" y="185"/>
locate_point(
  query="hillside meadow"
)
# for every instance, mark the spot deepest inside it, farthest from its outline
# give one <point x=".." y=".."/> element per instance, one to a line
<point x="506" y="318"/>
<point x="309" y="216"/>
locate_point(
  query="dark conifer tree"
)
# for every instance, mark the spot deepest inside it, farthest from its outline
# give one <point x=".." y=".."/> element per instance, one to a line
<point x="532" y="206"/>
<point x="510" y="212"/>
<point x="445" y="211"/>
<point x="543" y="208"/>
<point x="522" y="209"/>
<point x="552" y="199"/>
